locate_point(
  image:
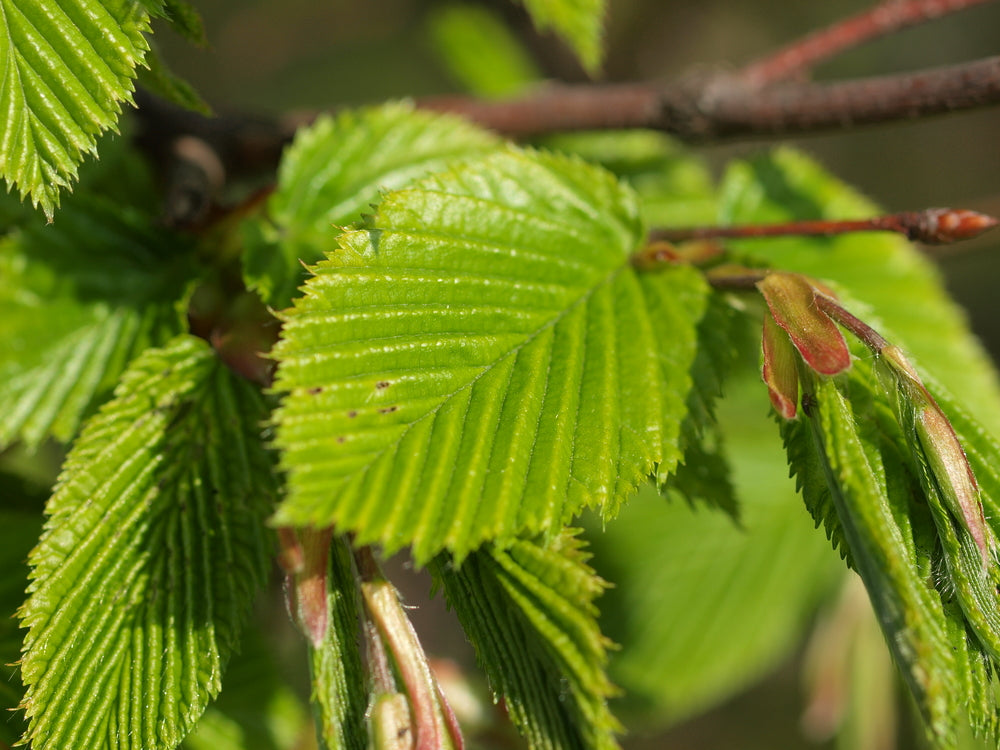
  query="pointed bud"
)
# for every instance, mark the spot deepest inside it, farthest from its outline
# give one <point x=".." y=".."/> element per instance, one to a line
<point x="791" y="299"/>
<point x="943" y="452"/>
<point x="940" y="226"/>
<point x="781" y="369"/>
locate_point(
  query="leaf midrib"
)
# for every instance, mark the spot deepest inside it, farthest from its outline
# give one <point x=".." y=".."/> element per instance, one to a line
<point x="583" y="298"/>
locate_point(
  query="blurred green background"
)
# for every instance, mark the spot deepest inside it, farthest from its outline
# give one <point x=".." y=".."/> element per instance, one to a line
<point x="278" y="57"/>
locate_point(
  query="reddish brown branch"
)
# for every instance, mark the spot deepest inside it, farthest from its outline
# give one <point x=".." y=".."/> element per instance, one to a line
<point x="723" y="107"/>
<point x="885" y="18"/>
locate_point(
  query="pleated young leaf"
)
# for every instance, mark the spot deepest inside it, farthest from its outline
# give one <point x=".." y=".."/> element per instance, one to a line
<point x="67" y="67"/>
<point x="152" y="552"/>
<point x="333" y="172"/>
<point x="483" y="361"/>
<point x="886" y="520"/>
<point x="529" y="612"/>
<point x="579" y="22"/>
<point x="79" y="298"/>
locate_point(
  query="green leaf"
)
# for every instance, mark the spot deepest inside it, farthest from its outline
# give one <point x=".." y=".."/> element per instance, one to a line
<point x="79" y="299"/>
<point x="703" y="473"/>
<point x="674" y="186"/>
<point x="333" y="172"/>
<point x="579" y="22"/>
<point x="18" y="531"/>
<point x="152" y="553"/>
<point x="900" y="288"/>
<point x="895" y="547"/>
<point x="529" y="611"/>
<point x="340" y="689"/>
<point x="162" y="81"/>
<point x="258" y="710"/>
<point x="484" y="361"/>
<point x="480" y="51"/>
<point x="184" y="19"/>
<point x="701" y="606"/>
<point x="67" y="67"/>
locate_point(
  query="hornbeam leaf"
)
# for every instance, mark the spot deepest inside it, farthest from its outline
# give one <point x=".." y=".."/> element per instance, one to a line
<point x="529" y="611"/>
<point x="79" y="299"/>
<point x="333" y="172"/>
<point x="484" y="361"/>
<point x="184" y="19"/>
<point x="579" y="22"/>
<point x="704" y="471"/>
<point x="67" y="67"/>
<point x="702" y="607"/>
<point x="886" y="521"/>
<point x="150" y="557"/>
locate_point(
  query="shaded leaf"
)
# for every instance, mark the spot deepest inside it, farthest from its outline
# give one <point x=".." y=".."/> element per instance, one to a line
<point x="79" y="299"/>
<point x="674" y="187"/>
<point x="701" y="606"/>
<point x="703" y="473"/>
<point x="579" y="22"/>
<point x="529" y="611"/>
<point x="67" y="67"/>
<point x="18" y="532"/>
<point x="182" y="16"/>
<point x="484" y="361"/>
<point x="480" y="51"/>
<point x="162" y="81"/>
<point x="152" y="553"/>
<point x="258" y="710"/>
<point x="333" y="172"/>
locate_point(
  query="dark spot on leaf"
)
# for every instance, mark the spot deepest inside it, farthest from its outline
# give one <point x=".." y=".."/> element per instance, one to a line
<point x="388" y="409"/>
<point x="809" y="404"/>
<point x="382" y="384"/>
<point x="341" y="439"/>
<point x="315" y="390"/>
<point x="352" y="414"/>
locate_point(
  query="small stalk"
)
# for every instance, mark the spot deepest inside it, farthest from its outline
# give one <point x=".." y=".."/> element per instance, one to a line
<point x="933" y="226"/>
<point x="431" y="718"/>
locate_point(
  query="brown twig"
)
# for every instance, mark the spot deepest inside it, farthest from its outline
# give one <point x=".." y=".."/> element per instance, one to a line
<point x="933" y="226"/>
<point x="885" y="18"/>
<point x="720" y="107"/>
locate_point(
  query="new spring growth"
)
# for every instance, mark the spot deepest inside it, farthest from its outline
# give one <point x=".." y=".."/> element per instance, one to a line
<point x="942" y="451"/>
<point x="303" y="556"/>
<point x="803" y="326"/>
<point x="796" y="327"/>
<point x="428" y="723"/>
<point x="936" y="442"/>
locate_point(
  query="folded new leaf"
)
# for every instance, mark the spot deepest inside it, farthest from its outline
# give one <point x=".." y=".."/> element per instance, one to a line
<point x="906" y="498"/>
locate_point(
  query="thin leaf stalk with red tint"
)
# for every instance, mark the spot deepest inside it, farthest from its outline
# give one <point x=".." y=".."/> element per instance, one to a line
<point x="432" y="720"/>
<point x="933" y="226"/>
